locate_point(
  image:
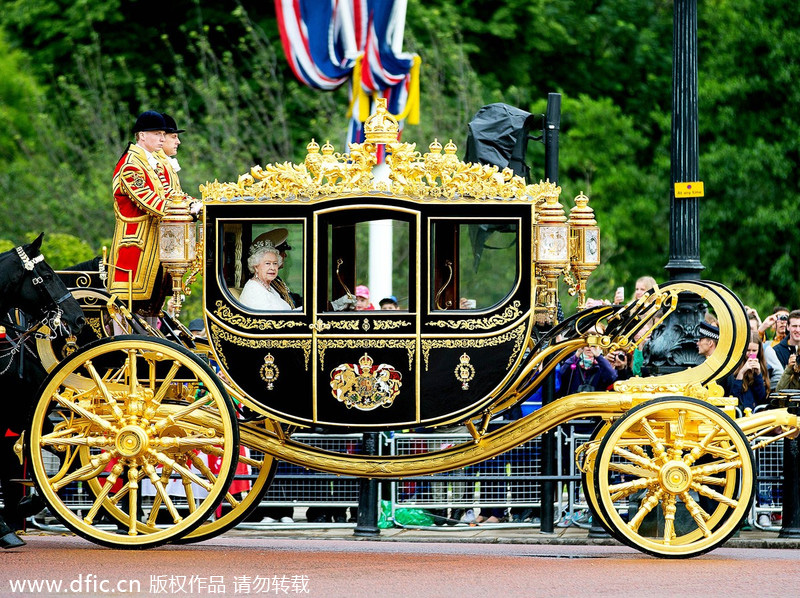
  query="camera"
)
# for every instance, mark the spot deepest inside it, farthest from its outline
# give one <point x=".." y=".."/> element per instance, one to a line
<point x="783" y="318"/>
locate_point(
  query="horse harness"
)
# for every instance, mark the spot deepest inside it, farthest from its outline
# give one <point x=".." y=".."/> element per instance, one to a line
<point x="52" y="319"/>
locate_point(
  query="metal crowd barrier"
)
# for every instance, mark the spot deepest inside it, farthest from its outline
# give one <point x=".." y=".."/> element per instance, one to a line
<point x="510" y="482"/>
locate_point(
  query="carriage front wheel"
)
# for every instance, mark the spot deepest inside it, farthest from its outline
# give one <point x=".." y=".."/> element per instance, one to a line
<point x="127" y="428"/>
<point x="674" y="477"/>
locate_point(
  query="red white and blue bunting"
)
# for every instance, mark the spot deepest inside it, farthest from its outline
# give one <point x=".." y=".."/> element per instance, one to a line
<point x="328" y="42"/>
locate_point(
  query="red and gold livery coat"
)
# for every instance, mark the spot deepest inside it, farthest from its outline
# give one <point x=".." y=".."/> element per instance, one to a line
<point x="140" y="201"/>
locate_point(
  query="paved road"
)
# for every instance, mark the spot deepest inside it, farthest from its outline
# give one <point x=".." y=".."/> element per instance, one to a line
<point x="240" y="566"/>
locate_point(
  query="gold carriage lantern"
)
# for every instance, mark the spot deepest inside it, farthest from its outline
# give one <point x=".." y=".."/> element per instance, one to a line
<point x="176" y="246"/>
<point x="551" y="239"/>
<point x="584" y="245"/>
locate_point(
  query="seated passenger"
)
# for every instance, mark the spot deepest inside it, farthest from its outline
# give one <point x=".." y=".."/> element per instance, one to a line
<point x="389" y="303"/>
<point x="362" y="299"/>
<point x="263" y="292"/>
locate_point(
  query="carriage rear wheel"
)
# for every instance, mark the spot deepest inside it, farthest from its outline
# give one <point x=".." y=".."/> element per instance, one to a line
<point x="124" y="410"/>
<point x="259" y="470"/>
<point x="587" y="478"/>
<point x="674" y="477"/>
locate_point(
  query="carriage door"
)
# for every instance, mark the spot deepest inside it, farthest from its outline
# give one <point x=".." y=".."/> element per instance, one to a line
<point x="366" y="356"/>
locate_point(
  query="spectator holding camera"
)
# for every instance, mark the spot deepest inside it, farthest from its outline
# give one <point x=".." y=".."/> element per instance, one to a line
<point x="751" y="382"/>
<point x="774" y="365"/>
<point x="790" y="380"/>
<point x="777" y="322"/>
<point x="788" y="345"/>
<point x="586" y="371"/>
<point x="621" y="362"/>
<point x="643" y="284"/>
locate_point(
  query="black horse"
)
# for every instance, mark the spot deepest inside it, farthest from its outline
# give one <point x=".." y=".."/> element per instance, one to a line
<point x="31" y="295"/>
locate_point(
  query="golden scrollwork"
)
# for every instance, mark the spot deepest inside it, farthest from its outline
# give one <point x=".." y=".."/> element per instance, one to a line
<point x="389" y="324"/>
<point x="366" y="343"/>
<point x="511" y="313"/>
<point x="96" y="326"/>
<point x="224" y="313"/>
<point x="322" y="326"/>
<point x="218" y="334"/>
<point x="517" y="335"/>
<point x="324" y="172"/>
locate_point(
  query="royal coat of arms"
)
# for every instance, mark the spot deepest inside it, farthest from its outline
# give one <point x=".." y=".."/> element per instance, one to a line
<point x="365" y="386"/>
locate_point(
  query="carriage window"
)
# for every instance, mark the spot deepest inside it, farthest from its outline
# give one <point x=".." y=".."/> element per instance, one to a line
<point x="277" y="278"/>
<point x="475" y="265"/>
<point x="370" y="259"/>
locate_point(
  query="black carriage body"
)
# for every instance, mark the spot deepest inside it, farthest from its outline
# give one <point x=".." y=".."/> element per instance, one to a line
<point x="425" y="364"/>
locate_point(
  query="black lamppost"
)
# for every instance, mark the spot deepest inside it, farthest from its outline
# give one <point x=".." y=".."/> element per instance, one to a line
<point x="672" y="346"/>
<point x="684" y="222"/>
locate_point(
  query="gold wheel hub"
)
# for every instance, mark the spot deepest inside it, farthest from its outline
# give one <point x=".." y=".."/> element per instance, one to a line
<point x="131" y="441"/>
<point x="675" y="477"/>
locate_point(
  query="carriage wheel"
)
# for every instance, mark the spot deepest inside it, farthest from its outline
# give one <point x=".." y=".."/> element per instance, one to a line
<point x="587" y="479"/>
<point x="685" y="456"/>
<point x="236" y="508"/>
<point x="121" y="410"/>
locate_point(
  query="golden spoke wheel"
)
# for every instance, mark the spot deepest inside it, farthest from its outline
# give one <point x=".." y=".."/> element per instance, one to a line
<point x="131" y="409"/>
<point x="674" y="477"/>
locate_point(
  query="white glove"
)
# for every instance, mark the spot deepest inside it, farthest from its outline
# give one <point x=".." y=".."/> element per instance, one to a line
<point x="196" y="207"/>
<point x="344" y="303"/>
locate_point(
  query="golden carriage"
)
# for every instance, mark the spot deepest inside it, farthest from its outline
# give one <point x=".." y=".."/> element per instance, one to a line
<point x="145" y="410"/>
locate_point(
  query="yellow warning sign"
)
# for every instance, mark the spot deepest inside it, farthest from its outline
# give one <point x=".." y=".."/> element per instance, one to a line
<point x="694" y="189"/>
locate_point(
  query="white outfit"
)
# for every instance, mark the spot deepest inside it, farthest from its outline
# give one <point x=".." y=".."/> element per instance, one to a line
<point x="256" y="295"/>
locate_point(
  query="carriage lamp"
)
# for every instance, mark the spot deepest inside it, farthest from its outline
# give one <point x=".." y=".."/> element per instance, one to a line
<point x="176" y="245"/>
<point x="551" y="255"/>
<point x="584" y="246"/>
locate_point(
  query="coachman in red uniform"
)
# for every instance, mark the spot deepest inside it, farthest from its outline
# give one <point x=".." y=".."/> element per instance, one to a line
<point x="140" y="201"/>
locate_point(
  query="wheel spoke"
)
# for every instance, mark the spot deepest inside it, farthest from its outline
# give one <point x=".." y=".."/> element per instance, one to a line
<point x="701" y="449"/>
<point x="186" y="473"/>
<point x="85" y="413"/>
<point x="165" y="384"/>
<point x="713" y="494"/>
<point x="112" y="402"/>
<point x="90" y="470"/>
<point x="184" y="443"/>
<point x="647" y="505"/>
<point x="162" y="493"/>
<point x="116" y="471"/>
<point x="633" y="470"/>
<point x="620" y="491"/>
<point x="91" y="441"/>
<point x="680" y="430"/>
<point x="655" y="442"/>
<point x="133" y="493"/>
<point x="696" y="511"/>
<point x="181" y="413"/>
<point x="165" y="473"/>
<point x="670" y="508"/>
<point x="641" y="461"/>
<point x="133" y="379"/>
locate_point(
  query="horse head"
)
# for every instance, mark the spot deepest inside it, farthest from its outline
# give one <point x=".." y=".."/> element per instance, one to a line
<point x="40" y="292"/>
